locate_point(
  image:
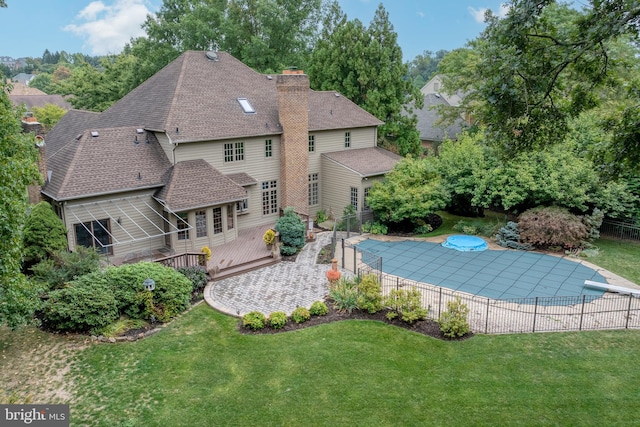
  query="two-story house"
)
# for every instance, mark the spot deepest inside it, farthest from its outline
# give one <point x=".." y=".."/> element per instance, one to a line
<point x="202" y="149"/>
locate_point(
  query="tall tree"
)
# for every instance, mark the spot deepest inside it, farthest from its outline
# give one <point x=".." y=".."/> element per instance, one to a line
<point x="18" y="169"/>
<point x="425" y="66"/>
<point x="540" y="64"/>
<point x="178" y="26"/>
<point x="269" y="35"/>
<point x="365" y="65"/>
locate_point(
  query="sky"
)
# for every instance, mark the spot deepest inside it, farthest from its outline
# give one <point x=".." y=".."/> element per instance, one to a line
<point x="102" y="27"/>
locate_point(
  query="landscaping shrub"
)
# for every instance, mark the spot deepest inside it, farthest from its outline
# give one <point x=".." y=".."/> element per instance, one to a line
<point x="292" y="232"/>
<point x="509" y="237"/>
<point x="64" y="266"/>
<point x="81" y="307"/>
<point x="349" y="219"/>
<point x="321" y="216"/>
<point x="374" y="228"/>
<point x="44" y="233"/>
<point x="406" y="304"/>
<point x="552" y="226"/>
<point x="318" y="308"/>
<point x="278" y="319"/>
<point x="254" y="320"/>
<point x="197" y="276"/>
<point x="300" y="315"/>
<point x="269" y="237"/>
<point x="453" y="322"/>
<point x="170" y="297"/>
<point x="593" y="223"/>
<point x="344" y="294"/>
<point x="369" y="293"/>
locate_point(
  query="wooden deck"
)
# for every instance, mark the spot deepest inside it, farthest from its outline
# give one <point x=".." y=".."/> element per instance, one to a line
<point x="246" y="253"/>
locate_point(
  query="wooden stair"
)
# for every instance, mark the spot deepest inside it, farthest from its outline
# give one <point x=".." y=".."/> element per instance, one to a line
<point x="237" y="269"/>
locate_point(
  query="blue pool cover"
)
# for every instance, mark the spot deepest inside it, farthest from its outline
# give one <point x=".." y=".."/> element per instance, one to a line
<point x="496" y="274"/>
<point x="465" y="243"/>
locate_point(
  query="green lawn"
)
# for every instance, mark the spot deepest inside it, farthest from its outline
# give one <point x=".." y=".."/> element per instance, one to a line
<point x="201" y="371"/>
<point x="619" y="256"/>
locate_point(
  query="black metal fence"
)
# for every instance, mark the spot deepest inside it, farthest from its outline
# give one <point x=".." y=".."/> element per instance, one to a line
<point x="518" y="315"/>
<point x="620" y="229"/>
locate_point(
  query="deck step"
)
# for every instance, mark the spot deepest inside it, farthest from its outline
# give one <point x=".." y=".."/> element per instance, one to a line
<point x="242" y="268"/>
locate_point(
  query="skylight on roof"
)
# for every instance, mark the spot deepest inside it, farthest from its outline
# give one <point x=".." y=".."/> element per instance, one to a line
<point x="246" y="106"/>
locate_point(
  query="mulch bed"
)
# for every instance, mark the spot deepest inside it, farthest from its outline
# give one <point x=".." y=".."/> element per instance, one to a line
<point x="426" y="327"/>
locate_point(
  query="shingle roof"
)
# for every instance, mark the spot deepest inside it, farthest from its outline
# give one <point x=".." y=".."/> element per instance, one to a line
<point x="428" y="116"/>
<point x="198" y="97"/>
<point x="108" y="163"/>
<point x="191" y="99"/>
<point x="194" y="184"/>
<point x="365" y="161"/>
<point x="242" y="178"/>
<point x="31" y="101"/>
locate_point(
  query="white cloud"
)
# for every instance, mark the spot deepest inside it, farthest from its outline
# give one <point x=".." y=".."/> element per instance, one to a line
<point x="107" y="28"/>
<point x="478" y="14"/>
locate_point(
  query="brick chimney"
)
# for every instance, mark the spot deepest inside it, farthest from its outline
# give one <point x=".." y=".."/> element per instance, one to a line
<point x="293" y="112"/>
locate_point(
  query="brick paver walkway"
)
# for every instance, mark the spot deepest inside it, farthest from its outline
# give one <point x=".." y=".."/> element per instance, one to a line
<point x="280" y="287"/>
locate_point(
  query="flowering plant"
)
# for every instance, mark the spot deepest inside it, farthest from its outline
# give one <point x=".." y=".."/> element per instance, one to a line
<point x="206" y="251"/>
<point x="269" y="237"/>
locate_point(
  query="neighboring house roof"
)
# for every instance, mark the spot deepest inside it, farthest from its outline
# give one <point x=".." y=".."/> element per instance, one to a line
<point x="434" y="86"/>
<point x="109" y="162"/>
<point x="365" y="162"/>
<point x="428" y="117"/>
<point x="196" y="184"/>
<point x="22" y="89"/>
<point x="23" y="78"/>
<point x="195" y="98"/>
<point x="31" y="101"/>
<point x="242" y="179"/>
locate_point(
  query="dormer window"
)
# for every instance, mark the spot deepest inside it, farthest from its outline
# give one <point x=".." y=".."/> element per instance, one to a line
<point x="246" y="106"/>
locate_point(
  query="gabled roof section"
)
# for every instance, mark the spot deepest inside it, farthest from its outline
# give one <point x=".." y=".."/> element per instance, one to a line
<point x="331" y="110"/>
<point x="196" y="184"/>
<point x="365" y="162"/>
<point x="108" y="163"/>
<point x="242" y="178"/>
<point x="428" y="118"/>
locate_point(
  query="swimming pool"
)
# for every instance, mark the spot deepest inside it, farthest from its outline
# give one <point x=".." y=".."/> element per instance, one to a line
<point x="465" y="243"/>
<point x="496" y="274"/>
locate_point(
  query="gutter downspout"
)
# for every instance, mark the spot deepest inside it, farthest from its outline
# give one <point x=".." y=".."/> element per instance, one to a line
<point x="175" y="145"/>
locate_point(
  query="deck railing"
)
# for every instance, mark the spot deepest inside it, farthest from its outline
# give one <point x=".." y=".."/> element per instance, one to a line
<point x="189" y="259"/>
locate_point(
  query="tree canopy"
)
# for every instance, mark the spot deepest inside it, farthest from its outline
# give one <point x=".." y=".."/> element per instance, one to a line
<point x="365" y="65"/>
<point x="18" y="169"/>
<point x="540" y="66"/>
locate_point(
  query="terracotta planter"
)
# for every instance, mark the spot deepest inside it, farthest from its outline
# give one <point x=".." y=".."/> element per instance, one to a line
<point x="333" y="274"/>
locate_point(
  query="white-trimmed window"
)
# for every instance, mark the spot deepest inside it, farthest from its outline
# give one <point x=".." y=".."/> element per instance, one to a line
<point x="313" y="189"/>
<point x="312" y="143"/>
<point x="354" y="198"/>
<point x="183" y="226"/>
<point x="201" y="223"/>
<point x="217" y="220"/>
<point x="242" y="206"/>
<point x="365" y="206"/>
<point x="347" y="139"/>
<point x="268" y="148"/>
<point x="233" y="151"/>
<point x="230" y="214"/>
<point x="94" y="234"/>
<point x="269" y="197"/>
